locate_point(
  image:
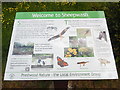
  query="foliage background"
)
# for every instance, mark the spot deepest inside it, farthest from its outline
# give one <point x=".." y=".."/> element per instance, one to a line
<point x="9" y="9"/>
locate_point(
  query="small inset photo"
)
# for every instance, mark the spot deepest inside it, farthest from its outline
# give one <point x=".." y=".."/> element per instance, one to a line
<point x="85" y="52"/>
<point x="42" y="61"/>
<point x="73" y="41"/>
<point x="23" y="48"/>
<point x="82" y="42"/>
<point x="70" y="52"/>
<point x="83" y="32"/>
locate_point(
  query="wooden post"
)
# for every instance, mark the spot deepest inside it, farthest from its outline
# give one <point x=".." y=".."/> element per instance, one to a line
<point x="60" y="84"/>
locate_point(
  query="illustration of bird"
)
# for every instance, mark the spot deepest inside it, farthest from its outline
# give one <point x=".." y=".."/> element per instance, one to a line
<point x="100" y="35"/>
<point x="104" y="36"/>
<point x="59" y="35"/>
<point x="82" y="63"/>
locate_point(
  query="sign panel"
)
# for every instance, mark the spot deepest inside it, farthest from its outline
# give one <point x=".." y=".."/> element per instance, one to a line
<point x="60" y="46"/>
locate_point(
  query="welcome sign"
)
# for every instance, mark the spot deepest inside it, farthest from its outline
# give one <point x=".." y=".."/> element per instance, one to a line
<point x="69" y="45"/>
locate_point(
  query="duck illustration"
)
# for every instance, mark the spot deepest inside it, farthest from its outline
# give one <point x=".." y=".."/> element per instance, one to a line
<point x="59" y="35"/>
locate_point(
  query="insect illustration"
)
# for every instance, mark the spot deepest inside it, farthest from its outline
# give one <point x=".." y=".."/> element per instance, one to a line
<point x="86" y="32"/>
<point x="82" y="63"/>
<point x="103" y="61"/>
<point x="61" y="62"/>
<point x="59" y="35"/>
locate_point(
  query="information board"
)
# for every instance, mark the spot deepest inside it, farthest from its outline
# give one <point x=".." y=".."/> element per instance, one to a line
<point x="69" y="45"/>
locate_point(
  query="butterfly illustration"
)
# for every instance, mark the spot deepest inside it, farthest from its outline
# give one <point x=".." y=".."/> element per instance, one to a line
<point x="61" y="62"/>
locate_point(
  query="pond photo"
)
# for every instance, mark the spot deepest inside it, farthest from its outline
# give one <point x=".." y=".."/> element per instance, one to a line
<point x="22" y="48"/>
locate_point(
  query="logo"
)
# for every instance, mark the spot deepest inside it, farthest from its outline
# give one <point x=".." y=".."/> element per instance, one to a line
<point x="11" y="76"/>
<point x="27" y="69"/>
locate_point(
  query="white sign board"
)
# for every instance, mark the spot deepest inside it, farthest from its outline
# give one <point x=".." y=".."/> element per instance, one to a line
<point x="71" y="45"/>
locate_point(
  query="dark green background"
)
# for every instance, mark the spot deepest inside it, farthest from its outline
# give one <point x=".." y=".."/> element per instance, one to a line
<point x="9" y="9"/>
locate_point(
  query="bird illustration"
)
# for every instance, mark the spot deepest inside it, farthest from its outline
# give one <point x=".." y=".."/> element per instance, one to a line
<point x="59" y="35"/>
<point x="100" y="35"/>
<point x="104" y="36"/>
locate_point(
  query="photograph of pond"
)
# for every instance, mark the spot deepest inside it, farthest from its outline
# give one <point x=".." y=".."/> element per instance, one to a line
<point x="22" y="48"/>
